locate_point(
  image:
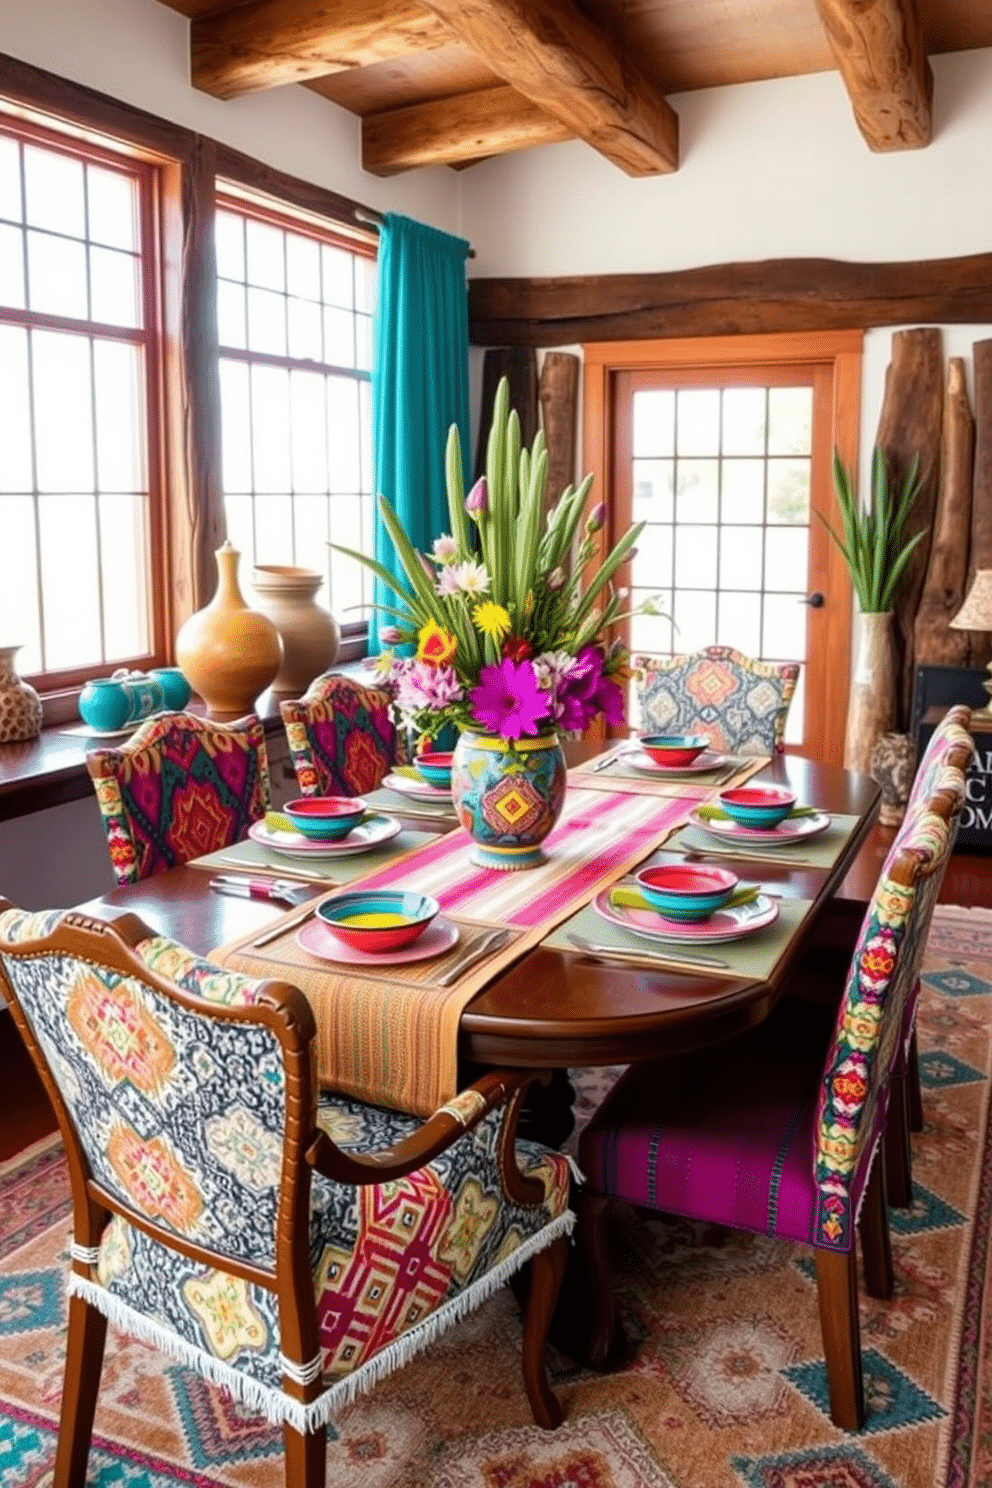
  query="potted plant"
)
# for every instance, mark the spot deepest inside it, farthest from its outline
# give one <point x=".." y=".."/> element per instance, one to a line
<point x="876" y="553"/>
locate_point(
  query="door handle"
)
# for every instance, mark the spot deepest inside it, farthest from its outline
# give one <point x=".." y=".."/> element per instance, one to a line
<point x="816" y="601"/>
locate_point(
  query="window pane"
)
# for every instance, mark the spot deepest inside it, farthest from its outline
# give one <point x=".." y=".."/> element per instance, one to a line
<point x="743" y="494"/>
<point x="304" y="330"/>
<point x="274" y="529"/>
<point x="366" y="279"/>
<point x="698" y="421"/>
<point x="10" y="180"/>
<point x="63" y="410"/>
<point x="265" y="259"/>
<point x="235" y="427"/>
<point x="744" y="421"/>
<point x="739" y="622"/>
<point x="124" y="553"/>
<point x="695" y="619"/>
<point x="696" y="490"/>
<point x="114" y="289"/>
<point x="365" y="447"/>
<point x="786" y="558"/>
<point x="302" y="266"/>
<point x="695" y="557"/>
<point x="69" y="567"/>
<point x="653" y="563"/>
<point x="338" y="277"/>
<point x="312" y="533"/>
<point x="113" y="204"/>
<point x="740" y="557"/>
<point x="53" y="186"/>
<point x="19" y="590"/>
<point x="15" y="441"/>
<point x="56" y="276"/>
<point x="229" y="241"/>
<point x="654" y="499"/>
<point x="308" y="413"/>
<point x="231" y="314"/>
<point x="788" y="491"/>
<point x="654" y="424"/>
<point x="342" y="434"/>
<point x="784" y="632"/>
<point x="339" y="338"/>
<point x="12" y="267"/>
<point x="790" y="421"/>
<point x="239" y="513"/>
<point x="346" y="574"/>
<point x="364" y="343"/>
<point x="266" y="322"/>
<point x="120" y="404"/>
<point x="651" y="634"/>
<point x="270" y="429"/>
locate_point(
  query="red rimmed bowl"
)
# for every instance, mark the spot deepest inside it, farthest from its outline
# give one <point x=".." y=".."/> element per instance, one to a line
<point x="685" y="891"/>
<point x="325" y="818"/>
<point x="435" y="767"/>
<point x="761" y="806"/>
<point x="673" y="749"/>
<point x="378" y="919"/>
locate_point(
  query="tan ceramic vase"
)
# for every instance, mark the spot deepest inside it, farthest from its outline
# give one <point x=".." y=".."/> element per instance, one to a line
<point x="872" y="702"/>
<point x="228" y="652"/>
<point x="20" y="705"/>
<point x="310" y="635"/>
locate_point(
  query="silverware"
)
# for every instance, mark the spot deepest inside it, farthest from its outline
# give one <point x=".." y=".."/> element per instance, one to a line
<point x="663" y="958"/>
<point x="771" y="856"/>
<point x="494" y="941"/>
<point x="274" y="931"/>
<point x="611" y="758"/>
<point x="265" y="870"/>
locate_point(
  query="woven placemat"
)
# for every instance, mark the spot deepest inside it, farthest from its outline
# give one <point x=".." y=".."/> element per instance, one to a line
<point x="619" y="776"/>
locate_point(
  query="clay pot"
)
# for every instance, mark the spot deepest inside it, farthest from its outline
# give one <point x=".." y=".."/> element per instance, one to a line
<point x="310" y="635"/>
<point x="228" y="652"/>
<point x="872" y="702"/>
<point x="20" y="705"/>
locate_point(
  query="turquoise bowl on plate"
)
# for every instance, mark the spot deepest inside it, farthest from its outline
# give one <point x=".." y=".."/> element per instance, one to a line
<point x="685" y="892"/>
<point x="673" y="749"/>
<point x="378" y="919"/>
<point x="325" y="818"/>
<point x="435" y="767"/>
<point x="761" y="806"/>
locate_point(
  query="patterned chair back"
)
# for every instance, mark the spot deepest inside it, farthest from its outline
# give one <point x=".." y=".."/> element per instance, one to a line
<point x="179" y="787"/>
<point x="341" y="736"/>
<point x="178" y="1085"/>
<point x="867" y="1037"/>
<point x="950" y="743"/>
<point x="739" y="704"/>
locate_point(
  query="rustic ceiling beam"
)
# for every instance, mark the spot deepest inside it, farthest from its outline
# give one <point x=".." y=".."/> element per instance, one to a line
<point x="878" y="46"/>
<point x="270" y="42"/>
<point x="557" y="56"/>
<point x="791" y="294"/>
<point x="450" y="131"/>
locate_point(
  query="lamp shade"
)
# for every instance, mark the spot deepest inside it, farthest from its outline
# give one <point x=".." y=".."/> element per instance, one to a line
<point x="976" y="612"/>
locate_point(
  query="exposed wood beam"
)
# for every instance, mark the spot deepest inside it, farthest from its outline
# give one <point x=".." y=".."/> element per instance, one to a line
<point x="270" y="42"/>
<point x="555" y="55"/>
<point x="878" y="45"/>
<point x="492" y="121"/>
<point x="797" y="294"/>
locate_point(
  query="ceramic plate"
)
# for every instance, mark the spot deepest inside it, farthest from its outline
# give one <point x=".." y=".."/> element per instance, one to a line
<point x="793" y="829"/>
<point x="708" y="760"/>
<point x="315" y="937"/>
<point x="413" y="785"/>
<point x="724" y="924"/>
<point x="370" y="833"/>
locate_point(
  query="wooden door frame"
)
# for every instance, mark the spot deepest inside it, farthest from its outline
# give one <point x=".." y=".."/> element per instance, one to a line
<point x="838" y="353"/>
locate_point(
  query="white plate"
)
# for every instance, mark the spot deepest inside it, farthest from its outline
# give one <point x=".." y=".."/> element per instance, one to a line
<point x="724" y="924"/>
<point x="708" y="760"/>
<point x="793" y="829"/>
<point x="376" y="829"/>
<point x="411" y="786"/>
<point x="321" y="942"/>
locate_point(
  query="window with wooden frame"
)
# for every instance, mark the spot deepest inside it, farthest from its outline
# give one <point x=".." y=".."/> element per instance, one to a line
<point x="81" y="482"/>
<point x="294" y="316"/>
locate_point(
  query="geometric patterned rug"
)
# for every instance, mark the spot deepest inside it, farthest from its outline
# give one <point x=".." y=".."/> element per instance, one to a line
<point x="725" y="1387"/>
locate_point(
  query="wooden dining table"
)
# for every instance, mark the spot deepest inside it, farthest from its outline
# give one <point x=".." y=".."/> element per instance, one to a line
<point x="556" y="1009"/>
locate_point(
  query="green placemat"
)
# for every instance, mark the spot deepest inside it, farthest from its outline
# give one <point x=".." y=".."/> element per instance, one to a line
<point x="754" y="956"/>
<point x="398" y="804"/>
<point x="821" y="851"/>
<point x="337" y="870"/>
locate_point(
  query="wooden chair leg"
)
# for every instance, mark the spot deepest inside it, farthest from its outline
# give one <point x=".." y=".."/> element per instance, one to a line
<point x="896" y="1147"/>
<point x="87" y="1334"/>
<point x="306" y="1455"/>
<point x="602" y="1345"/>
<point x="876" y="1249"/>
<point x="546" y="1271"/>
<point x="837" y="1292"/>
<point x="914" y="1092"/>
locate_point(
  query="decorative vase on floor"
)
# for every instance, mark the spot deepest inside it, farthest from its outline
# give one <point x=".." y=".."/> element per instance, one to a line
<point x="508" y="794"/>
<point x="20" y="705"/>
<point x="310" y="635"/>
<point x="871" y="707"/>
<point x="893" y="761"/>
<point x="228" y="652"/>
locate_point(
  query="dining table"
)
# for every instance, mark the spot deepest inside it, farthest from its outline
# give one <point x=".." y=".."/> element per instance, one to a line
<point x="557" y="1007"/>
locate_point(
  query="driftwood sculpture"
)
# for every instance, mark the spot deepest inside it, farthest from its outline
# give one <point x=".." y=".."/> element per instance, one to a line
<point x="935" y="644"/>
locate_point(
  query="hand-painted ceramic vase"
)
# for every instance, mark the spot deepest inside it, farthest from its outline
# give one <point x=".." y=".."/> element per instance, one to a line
<point x="20" y="705"/>
<point x="508" y="794"/>
<point x="230" y="653"/>
<point x="109" y="704"/>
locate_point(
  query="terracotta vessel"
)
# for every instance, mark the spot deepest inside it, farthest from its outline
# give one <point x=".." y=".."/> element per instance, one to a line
<point x="872" y="702"/>
<point x="228" y="652"/>
<point x="20" y="705"/>
<point x="310" y="634"/>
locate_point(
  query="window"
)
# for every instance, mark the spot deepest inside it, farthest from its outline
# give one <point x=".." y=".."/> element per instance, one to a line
<point x="294" y="315"/>
<point x="79" y="463"/>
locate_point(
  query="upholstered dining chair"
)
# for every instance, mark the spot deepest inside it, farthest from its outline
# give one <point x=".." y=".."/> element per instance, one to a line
<point x="180" y="786"/>
<point x="777" y="1132"/>
<point x="291" y="1251"/>
<point x="739" y="704"/>
<point x="341" y="735"/>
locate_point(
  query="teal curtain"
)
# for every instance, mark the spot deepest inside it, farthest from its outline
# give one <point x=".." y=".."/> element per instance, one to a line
<point x="419" y="385"/>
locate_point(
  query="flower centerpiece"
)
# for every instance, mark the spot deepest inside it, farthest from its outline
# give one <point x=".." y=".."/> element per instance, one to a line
<point x="511" y="634"/>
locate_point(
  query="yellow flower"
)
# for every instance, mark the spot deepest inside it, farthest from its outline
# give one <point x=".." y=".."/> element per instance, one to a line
<point x="436" y="646"/>
<point x="491" y="619"/>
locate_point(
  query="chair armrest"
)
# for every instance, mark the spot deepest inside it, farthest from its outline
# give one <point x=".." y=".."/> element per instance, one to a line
<point x="439" y="1132"/>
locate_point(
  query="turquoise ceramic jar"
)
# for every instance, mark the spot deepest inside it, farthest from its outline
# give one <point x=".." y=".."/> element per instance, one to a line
<point x="175" y="689"/>
<point x="112" y="703"/>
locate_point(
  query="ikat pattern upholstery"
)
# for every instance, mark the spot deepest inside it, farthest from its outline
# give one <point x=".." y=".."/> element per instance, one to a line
<point x="739" y="704"/>
<point x="341" y="736"/>
<point x="182" y="1106"/>
<point x="181" y="786"/>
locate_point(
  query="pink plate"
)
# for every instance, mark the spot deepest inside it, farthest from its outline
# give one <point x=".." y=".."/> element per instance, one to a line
<point x="723" y="924"/>
<point x="708" y="760"/>
<point x="318" y="940"/>
<point x="374" y="830"/>
<point x="411" y="785"/>
<point x="793" y="829"/>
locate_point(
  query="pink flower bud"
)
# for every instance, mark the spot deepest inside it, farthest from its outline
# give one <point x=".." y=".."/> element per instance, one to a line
<point x="391" y="635"/>
<point x="596" y="517"/>
<point x="477" y="500"/>
<point x="556" y="578"/>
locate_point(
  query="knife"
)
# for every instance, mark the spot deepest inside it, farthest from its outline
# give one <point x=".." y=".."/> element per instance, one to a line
<point x="277" y="890"/>
<point x="494" y="941"/>
<point x="673" y="958"/>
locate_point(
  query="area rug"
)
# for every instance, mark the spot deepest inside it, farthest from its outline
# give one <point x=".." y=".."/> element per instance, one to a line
<point x="726" y="1385"/>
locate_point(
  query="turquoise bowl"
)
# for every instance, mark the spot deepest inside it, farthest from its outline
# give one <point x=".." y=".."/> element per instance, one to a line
<point x="685" y="892"/>
<point x="325" y="818"/>
<point x="435" y="767"/>
<point x="760" y="806"/>
<point x="673" y="749"/>
<point x="378" y="919"/>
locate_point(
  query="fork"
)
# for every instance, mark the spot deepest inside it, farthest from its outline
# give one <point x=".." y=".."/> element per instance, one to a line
<point x="494" y="941"/>
<point x="624" y="953"/>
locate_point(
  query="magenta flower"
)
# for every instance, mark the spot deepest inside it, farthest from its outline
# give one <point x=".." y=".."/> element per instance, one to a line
<point x="477" y="500"/>
<point x="508" y="700"/>
<point x="585" y="693"/>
